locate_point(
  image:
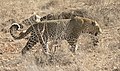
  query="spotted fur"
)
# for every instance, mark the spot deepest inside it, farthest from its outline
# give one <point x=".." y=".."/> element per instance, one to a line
<point x="69" y="28"/>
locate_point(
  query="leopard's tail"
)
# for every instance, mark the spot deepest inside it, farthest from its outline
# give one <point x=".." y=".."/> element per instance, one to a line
<point x="14" y="30"/>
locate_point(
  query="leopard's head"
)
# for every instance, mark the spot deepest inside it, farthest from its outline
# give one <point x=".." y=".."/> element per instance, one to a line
<point x="88" y="25"/>
<point x="92" y="28"/>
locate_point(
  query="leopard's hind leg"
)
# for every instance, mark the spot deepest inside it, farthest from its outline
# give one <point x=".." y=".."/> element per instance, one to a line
<point x="35" y="38"/>
<point x="31" y="42"/>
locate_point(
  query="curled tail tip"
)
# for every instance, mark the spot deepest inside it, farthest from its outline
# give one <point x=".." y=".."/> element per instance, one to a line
<point x="20" y="26"/>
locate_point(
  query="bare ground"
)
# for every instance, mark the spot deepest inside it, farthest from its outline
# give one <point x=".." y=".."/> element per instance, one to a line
<point x="103" y="57"/>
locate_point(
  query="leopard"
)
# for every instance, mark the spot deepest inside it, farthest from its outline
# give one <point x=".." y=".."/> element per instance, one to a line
<point x="70" y="29"/>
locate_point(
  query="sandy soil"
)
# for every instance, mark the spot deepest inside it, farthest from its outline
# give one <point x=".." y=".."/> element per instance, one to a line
<point x="103" y="57"/>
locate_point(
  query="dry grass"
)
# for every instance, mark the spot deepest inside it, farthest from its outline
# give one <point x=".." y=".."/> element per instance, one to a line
<point x="104" y="57"/>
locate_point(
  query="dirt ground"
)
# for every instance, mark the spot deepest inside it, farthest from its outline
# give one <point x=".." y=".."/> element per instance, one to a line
<point x="103" y="57"/>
